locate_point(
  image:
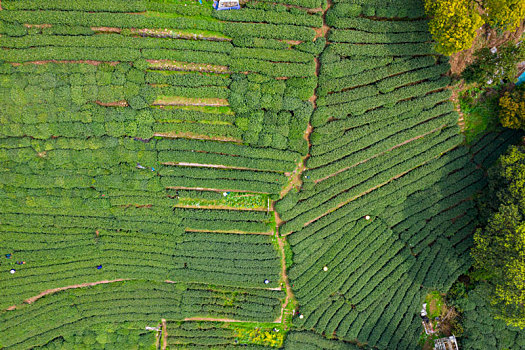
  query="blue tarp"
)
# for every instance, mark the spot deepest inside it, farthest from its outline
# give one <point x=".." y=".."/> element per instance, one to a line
<point x="521" y="79"/>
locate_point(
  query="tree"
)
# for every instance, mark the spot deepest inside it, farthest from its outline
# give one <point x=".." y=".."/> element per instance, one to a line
<point x="500" y="247"/>
<point x="505" y="14"/>
<point x="453" y="24"/>
<point x="495" y="67"/>
<point x="512" y="109"/>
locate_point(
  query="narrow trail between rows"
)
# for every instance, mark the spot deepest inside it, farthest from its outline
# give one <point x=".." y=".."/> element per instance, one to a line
<point x="54" y="290"/>
<point x="295" y="177"/>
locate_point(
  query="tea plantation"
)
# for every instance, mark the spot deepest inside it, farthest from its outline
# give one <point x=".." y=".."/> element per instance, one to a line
<point x="290" y="174"/>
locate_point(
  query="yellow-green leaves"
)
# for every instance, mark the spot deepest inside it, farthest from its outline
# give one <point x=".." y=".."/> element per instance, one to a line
<point x="505" y="14"/>
<point x="453" y="24"/>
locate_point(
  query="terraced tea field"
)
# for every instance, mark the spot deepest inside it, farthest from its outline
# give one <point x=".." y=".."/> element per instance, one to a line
<point x="224" y="177"/>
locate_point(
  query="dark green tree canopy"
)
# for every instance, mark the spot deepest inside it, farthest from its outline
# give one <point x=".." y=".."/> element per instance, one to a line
<point x="500" y="246"/>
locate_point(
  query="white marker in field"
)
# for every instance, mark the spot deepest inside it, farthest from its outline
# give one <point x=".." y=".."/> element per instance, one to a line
<point x="325" y="268"/>
<point x="301" y="316"/>
<point x="12" y="271"/>
<point x="367" y="217"/>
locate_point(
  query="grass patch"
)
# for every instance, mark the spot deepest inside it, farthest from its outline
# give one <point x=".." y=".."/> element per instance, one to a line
<point x="288" y="254"/>
<point x="435" y="302"/>
<point x="232" y="200"/>
<point x="190" y="101"/>
<point x="480" y="111"/>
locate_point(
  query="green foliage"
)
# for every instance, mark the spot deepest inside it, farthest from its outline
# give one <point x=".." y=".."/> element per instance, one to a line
<point x="479" y="112"/>
<point x="495" y="68"/>
<point x="481" y="330"/>
<point x="105" y="336"/>
<point x="512" y="109"/>
<point x="232" y="199"/>
<point x="453" y="24"/>
<point x="505" y="14"/>
<point x="435" y="302"/>
<point x="499" y="246"/>
<point x="268" y="337"/>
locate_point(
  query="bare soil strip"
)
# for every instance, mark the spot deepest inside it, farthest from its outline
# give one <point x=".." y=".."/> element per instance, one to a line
<point x="180" y="34"/>
<point x="37" y="25"/>
<point x="190" y="135"/>
<point x="51" y="291"/>
<point x="106" y="29"/>
<point x="121" y="103"/>
<point x="188" y="66"/>
<point x="164" y="335"/>
<point x="289" y="292"/>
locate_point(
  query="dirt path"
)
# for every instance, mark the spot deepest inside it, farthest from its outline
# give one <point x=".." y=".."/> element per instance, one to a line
<point x="51" y="291"/>
<point x="188" y="66"/>
<point x="193" y="136"/>
<point x="164" y="335"/>
<point x="289" y="292"/>
<point x="180" y="34"/>
<point x="106" y="29"/>
<point x="296" y="176"/>
<point x="121" y="103"/>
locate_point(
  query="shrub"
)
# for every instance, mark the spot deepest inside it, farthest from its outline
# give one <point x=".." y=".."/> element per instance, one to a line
<point x="453" y="24"/>
<point x="512" y="112"/>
